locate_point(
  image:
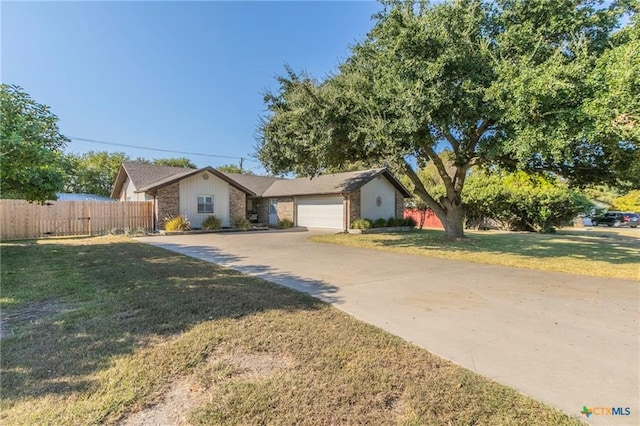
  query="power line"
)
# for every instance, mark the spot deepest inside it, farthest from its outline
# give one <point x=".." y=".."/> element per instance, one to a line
<point x="242" y="159"/>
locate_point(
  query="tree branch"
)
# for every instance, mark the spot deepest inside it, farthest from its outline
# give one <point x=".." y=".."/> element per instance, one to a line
<point x="442" y="171"/>
<point x="452" y="141"/>
<point x="461" y="175"/>
<point x="421" y="191"/>
<point x="483" y="128"/>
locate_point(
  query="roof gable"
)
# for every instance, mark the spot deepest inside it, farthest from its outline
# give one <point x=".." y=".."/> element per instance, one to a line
<point x="142" y="174"/>
<point x="191" y="172"/>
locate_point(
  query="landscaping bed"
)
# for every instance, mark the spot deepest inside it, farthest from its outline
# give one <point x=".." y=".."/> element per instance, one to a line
<point x="381" y="230"/>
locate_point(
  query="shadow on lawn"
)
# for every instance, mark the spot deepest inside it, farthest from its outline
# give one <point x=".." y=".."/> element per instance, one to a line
<point x="600" y="246"/>
<point x="123" y="294"/>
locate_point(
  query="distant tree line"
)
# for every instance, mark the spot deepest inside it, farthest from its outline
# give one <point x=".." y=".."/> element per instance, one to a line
<point x="95" y="171"/>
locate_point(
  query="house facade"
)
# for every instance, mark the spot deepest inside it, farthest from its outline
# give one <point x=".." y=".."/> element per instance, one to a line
<point x="331" y="201"/>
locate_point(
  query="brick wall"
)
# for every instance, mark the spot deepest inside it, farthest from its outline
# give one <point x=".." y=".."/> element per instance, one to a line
<point x="285" y="208"/>
<point x="261" y="206"/>
<point x="237" y="204"/>
<point x="354" y="206"/>
<point x="399" y="205"/>
<point x="168" y="202"/>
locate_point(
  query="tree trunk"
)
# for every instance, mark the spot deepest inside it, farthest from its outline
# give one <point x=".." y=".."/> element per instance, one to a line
<point x="454" y="221"/>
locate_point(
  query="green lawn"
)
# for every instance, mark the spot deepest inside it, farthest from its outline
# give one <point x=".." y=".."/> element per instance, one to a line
<point x="98" y="329"/>
<point x="595" y="252"/>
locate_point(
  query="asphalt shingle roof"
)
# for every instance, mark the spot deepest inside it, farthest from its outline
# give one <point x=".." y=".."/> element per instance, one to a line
<point x="257" y="184"/>
<point x="149" y="176"/>
<point x="321" y="185"/>
<point x="143" y="175"/>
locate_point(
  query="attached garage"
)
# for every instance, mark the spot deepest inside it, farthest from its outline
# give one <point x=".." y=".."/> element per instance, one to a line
<point x="331" y="201"/>
<point x="320" y="212"/>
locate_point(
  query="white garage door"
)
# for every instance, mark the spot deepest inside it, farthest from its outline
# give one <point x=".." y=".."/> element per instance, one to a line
<point x="320" y="212"/>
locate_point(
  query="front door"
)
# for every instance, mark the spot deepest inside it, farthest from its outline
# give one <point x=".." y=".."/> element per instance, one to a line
<point x="273" y="211"/>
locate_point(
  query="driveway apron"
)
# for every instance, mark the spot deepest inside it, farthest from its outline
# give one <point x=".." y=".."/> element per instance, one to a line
<point x="567" y="340"/>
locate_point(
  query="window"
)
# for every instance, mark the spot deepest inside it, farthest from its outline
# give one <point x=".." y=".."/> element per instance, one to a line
<point x="205" y="203"/>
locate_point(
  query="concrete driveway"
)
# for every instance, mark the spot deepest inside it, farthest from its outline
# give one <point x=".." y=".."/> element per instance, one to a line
<point x="567" y="340"/>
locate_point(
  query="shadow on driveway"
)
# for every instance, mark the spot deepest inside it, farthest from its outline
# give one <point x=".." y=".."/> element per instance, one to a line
<point x="317" y="288"/>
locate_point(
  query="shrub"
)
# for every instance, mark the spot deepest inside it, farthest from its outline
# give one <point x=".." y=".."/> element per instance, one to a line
<point x="392" y="221"/>
<point x="361" y="223"/>
<point x="135" y="232"/>
<point x="409" y="221"/>
<point x="242" y="223"/>
<point x="628" y="203"/>
<point x="177" y="223"/>
<point x="380" y="223"/>
<point x="285" y="223"/>
<point x="211" y="222"/>
<point x="521" y="202"/>
<point x="139" y="231"/>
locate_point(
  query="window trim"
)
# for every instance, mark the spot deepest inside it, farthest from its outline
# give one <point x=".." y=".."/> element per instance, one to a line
<point x="204" y="204"/>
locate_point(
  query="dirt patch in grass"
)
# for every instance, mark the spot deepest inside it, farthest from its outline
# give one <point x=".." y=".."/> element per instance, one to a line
<point x="178" y="401"/>
<point x="187" y="393"/>
<point x="29" y="315"/>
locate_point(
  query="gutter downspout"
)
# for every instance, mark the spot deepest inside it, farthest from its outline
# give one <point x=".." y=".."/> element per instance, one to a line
<point x="347" y="214"/>
<point x="155" y="213"/>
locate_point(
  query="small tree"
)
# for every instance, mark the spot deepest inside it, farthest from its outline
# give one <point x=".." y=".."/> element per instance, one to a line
<point x="31" y="161"/>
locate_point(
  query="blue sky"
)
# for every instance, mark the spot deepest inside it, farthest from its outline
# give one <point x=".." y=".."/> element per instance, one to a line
<point x="185" y="76"/>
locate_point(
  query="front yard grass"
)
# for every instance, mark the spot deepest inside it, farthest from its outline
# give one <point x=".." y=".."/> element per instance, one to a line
<point x="98" y="329"/>
<point x="595" y="252"/>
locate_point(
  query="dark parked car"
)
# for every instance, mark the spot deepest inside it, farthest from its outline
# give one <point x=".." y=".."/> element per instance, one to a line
<point x="617" y="219"/>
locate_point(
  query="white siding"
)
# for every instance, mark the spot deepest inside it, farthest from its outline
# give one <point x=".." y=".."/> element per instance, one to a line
<point x="195" y="185"/>
<point x="378" y="187"/>
<point x="320" y="212"/>
<point x="128" y="193"/>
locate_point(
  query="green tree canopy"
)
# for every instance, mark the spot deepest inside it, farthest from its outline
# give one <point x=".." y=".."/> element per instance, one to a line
<point x="501" y="82"/>
<point x="614" y="110"/>
<point x="174" y="162"/>
<point x="233" y="168"/>
<point x="93" y="172"/>
<point x="171" y="162"/>
<point x="629" y="202"/>
<point x="31" y="160"/>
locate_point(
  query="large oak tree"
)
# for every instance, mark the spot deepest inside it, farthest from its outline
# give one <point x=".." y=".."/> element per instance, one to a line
<point x="501" y="82"/>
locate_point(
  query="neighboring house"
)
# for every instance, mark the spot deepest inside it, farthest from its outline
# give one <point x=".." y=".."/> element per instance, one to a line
<point x="328" y="201"/>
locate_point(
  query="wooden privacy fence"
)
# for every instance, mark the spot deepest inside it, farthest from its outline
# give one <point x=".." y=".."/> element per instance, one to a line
<point x="21" y="219"/>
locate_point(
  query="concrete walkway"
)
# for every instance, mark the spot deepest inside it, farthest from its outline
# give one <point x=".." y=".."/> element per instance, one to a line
<point x="567" y="340"/>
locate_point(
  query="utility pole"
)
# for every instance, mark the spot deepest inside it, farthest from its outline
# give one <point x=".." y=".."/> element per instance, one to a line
<point x="241" y="161"/>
